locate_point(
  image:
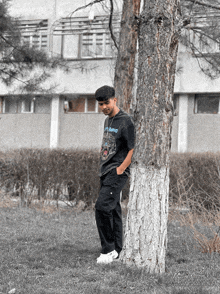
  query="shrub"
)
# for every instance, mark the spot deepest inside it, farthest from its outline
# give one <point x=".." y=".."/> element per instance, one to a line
<point x="195" y="180"/>
<point x="41" y="173"/>
<point x="49" y="172"/>
<point x="44" y="173"/>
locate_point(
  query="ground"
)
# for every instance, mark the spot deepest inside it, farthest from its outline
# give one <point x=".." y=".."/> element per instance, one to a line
<point x="45" y="250"/>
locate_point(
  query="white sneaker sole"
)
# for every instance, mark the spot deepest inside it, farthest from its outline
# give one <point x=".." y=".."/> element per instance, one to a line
<point x="107" y="258"/>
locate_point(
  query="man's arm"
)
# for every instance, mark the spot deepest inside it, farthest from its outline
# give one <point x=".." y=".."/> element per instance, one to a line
<point x="120" y="169"/>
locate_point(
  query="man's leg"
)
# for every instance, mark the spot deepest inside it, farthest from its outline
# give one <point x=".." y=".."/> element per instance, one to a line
<point x="104" y="223"/>
<point x="107" y="204"/>
<point x="116" y="213"/>
<point x="117" y="228"/>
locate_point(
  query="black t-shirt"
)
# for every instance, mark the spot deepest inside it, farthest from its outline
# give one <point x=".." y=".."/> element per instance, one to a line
<point x="118" y="140"/>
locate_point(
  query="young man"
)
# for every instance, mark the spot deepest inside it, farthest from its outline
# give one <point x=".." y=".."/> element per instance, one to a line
<point x="115" y="158"/>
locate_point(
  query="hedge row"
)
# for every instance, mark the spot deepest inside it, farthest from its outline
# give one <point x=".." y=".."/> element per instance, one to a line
<point x="195" y="179"/>
<point x="51" y="173"/>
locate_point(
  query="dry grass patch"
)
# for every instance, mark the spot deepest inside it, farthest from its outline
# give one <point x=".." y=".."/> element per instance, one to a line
<point x="6" y="202"/>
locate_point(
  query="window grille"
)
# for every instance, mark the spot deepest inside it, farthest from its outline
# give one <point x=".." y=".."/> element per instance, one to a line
<point x="35" y="33"/>
<point x="80" y="37"/>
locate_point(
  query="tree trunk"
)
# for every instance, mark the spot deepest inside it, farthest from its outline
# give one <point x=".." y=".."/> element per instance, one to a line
<point x="146" y="225"/>
<point x="124" y="69"/>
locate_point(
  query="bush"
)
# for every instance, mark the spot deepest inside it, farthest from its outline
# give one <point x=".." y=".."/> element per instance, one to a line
<point x="43" y="173"/>
<point x="49" y="172"/>
<point x="195" y="180"/>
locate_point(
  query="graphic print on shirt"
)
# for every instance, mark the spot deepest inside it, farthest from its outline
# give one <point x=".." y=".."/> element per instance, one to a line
<point x="108" y="146"/>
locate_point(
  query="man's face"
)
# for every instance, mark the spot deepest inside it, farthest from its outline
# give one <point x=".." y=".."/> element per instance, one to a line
<point x="107" y="107"/>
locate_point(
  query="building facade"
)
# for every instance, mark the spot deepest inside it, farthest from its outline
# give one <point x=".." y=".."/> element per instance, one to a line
<point x="69" y="116"/>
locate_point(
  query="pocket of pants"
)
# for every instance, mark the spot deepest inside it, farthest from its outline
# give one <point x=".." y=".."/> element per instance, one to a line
<point x="111" y="177"/>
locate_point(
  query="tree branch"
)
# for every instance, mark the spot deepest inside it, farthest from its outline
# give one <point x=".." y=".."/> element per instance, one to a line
<point x="13" y="77"/>
<point x="202" y="33"/>
<point x="204" y="4"/>
<point x="85" y="6"/>
<point x="110" y="24"/>
<point x="216" y="68"/>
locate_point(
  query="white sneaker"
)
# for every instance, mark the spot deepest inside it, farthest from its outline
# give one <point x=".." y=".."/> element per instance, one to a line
<point x="114" y="254"/>
<point x="107" y="258"/>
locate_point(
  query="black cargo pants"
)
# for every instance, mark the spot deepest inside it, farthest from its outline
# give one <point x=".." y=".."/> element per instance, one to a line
<point x="108" y="211"/>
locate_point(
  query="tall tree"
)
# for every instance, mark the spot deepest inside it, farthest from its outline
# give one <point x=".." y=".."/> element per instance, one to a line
<point x="159" y="28"/>
<point x="160" y="25"/>
<point x="146" y="226"/>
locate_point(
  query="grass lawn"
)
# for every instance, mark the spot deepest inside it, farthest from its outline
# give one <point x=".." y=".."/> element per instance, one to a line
<point x="50" y="251"/>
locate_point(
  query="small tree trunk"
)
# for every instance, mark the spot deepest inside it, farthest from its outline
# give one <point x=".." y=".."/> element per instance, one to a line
<point x="125" y="63"/>
<point x="146" y="226"/>
<point x="22" y="195"/>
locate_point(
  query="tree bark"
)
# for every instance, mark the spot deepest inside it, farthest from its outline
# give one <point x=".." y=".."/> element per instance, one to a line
<point x="124" y="69"/>
<point x="146" y="230"/>
<point x="146" y="225"/>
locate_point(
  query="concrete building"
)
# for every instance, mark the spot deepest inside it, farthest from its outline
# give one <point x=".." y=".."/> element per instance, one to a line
<point x="69" y="116"/>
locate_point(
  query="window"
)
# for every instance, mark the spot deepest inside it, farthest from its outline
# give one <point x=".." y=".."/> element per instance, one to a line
<point x="27" y="106"/>
<point x="88" y="45"/>
<point x="175" y="104"/>
<point x="80" y="37"/>
<point x="77" y="105"/>
<point x="207" y="103"/>
<point x="83" y="104"/>
<point x="34" y="33"/>
<point x="96" y="45"/>
<point x="17" y="104"/>
<point x="9" y="105"/>
<point x="91" y="105"/>
<point x="42" y="104"/>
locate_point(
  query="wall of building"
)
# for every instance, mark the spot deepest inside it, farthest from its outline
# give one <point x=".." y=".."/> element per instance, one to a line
<point x="87" y="80"/>
<point x="32" y="9"/>
<point x="81" y="130"/>
<point x="203" y="130"/>
<point x="84" y="130"/>
<point x="29" y="130"/>
<point x="203" y="133"/>
<point x="191" y="132"/>
<point x="189" y="77"/>
<point x="26" y="129"/>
